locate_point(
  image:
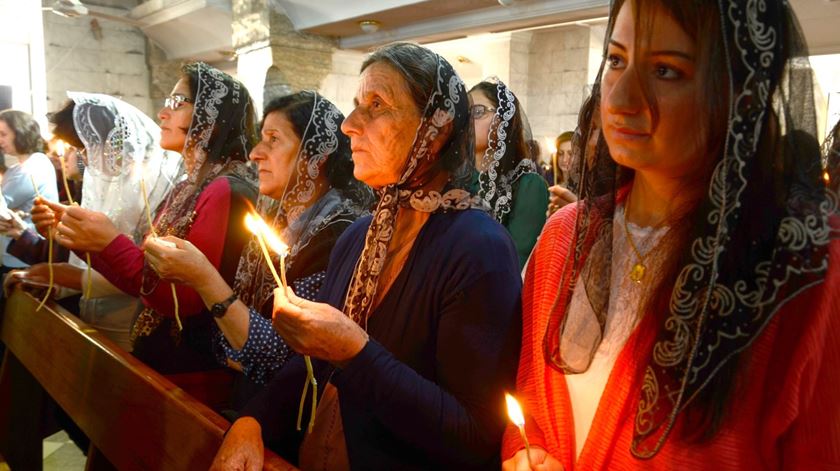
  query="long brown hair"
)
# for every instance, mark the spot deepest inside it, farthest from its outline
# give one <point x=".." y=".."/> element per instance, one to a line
<point x="701" y="22"/>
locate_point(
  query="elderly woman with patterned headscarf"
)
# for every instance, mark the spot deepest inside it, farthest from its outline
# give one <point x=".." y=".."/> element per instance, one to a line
<point x="683" y="314"/>
<point x="309" y="196"/>
<point x="508" y="178"/>
<point x="117" y="142"/>
<point x="417" y="335"/>
<point x="209" y="118"/>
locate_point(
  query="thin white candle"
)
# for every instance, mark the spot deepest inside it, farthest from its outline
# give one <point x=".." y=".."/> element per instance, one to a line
<point x="515" y="414"/>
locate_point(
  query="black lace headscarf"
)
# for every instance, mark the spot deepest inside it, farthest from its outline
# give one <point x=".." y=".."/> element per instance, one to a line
<point x="220" y="137"/>
<point x="507" y="157"/>
<point x="446" y="109"/>
<point x="306" y="208"/>
<point x="758" y="236"/>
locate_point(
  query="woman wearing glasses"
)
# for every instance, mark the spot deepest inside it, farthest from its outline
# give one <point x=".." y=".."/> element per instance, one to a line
<point x="210" y="119"/>
<point x="508" y="179"/>
<point x="309" y="195"/>
<point x="111" y="137"/>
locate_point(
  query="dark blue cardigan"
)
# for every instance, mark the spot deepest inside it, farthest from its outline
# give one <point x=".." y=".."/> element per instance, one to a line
<point x="426" y="392"/>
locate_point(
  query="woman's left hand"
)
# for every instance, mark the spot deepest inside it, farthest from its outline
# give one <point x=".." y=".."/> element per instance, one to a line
<point x="316" y="329"/>
<point x="85" y="230"/>
<point x="13" y="226"/>
<point x="183" y="263"/>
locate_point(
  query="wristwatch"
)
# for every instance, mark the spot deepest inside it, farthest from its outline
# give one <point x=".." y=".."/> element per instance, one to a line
<point x="219" y="309"/>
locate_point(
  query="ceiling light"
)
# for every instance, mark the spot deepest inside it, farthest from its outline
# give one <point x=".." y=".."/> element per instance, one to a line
<point x="369" y="26"/>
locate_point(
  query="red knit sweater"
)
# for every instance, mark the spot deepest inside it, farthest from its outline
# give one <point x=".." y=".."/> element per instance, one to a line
<point x="784" y="415"/>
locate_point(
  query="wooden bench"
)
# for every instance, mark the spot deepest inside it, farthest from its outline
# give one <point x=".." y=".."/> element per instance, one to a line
<point x="135" y="418"/>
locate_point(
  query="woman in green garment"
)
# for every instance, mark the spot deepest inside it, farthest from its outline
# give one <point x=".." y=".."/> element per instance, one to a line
<point x="508" y="178"/>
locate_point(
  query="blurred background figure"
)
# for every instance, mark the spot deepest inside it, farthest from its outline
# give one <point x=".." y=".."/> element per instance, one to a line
<point x="20" y="137"/>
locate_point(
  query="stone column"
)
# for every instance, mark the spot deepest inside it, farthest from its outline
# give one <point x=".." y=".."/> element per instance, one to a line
<point x="273" y="58"/>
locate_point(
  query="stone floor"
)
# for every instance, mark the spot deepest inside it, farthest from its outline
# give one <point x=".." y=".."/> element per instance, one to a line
<point x="61" y="454"/>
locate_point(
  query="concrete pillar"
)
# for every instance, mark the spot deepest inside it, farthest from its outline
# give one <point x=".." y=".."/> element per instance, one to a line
<point x="272" y="56"/>
<point x="563" y="64"/>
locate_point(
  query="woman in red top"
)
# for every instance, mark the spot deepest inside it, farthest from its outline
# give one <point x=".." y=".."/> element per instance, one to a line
<point x="209" y="118"/>
<point x="684" y="314"/>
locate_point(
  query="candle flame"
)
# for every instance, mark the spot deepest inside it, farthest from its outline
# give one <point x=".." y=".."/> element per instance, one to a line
<point x="514" y="411"/>
<point x="251" y="224"/>
<point x="60" y="148"/>
<point x="259" y="228"/>
<point x="549" y="145"/>
<point x="826" y="177"/>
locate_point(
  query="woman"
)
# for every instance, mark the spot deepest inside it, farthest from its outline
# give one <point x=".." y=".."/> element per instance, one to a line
<point x="683" y="314"/>
<point x="117" y="142"/>
<point x="309" y="195"/>
<point x="508" y="178"/>
<point x="422" y="352"/>
<point x="557" y="170"/>
<point x="20" y="137"/>
<point x="209" y="118"/>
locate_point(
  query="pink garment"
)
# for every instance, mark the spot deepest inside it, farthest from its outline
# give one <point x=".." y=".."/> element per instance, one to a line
<point x="121" y="262"/>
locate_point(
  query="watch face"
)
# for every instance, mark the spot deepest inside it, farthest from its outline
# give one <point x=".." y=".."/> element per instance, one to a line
<point x="219" y="309"/>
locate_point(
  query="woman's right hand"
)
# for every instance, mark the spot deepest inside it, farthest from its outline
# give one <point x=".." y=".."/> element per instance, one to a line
<point x="559" y="196"/>
<point x="242" y="449"/>
<point x="12" y="227"/>
<point x="542" y="461"/>
<point x="45" y="215"/>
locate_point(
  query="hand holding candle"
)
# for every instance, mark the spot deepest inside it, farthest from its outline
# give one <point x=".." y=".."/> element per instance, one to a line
<point x="515" y="414"/>
<point x="60" y="149"/>
<point x="49" y="250"/>
<point x="267" y="238"/>
<point x="140" y="169"/>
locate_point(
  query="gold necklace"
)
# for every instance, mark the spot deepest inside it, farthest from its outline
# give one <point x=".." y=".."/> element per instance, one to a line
<point x="637" y="273"/>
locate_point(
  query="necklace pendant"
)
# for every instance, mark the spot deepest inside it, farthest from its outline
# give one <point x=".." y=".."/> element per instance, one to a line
<point x="637" y="272"/>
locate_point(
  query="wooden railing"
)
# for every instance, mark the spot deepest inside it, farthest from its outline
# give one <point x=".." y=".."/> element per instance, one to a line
<point x="135" y="418"/>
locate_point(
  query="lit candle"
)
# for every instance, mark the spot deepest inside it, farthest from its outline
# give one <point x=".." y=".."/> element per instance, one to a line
<point x="267" y="238"/>
<point x="64" y="177"/>
<point x="252" y="222"/>
<point x="139" y="169"/>
<point x="60" y="149"/>
<point x="518" y="419"/>
<point x="49" y="250"/>
<point x="552" y="155"/>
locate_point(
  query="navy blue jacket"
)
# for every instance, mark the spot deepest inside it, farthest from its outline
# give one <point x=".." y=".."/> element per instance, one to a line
<point x="427" y="391"/>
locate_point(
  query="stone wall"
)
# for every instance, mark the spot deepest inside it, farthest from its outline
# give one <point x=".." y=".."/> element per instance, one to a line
<point x="340" y="84"/>
<point x="550" y="71"/>
<point x="96" y="55"/>
<point x="557" y="81"/>
<point x="273" y="57"/>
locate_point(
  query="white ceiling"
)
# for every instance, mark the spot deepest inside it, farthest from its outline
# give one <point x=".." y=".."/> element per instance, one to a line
<point x="435" y="20"/>
<point x="190" y="28"/>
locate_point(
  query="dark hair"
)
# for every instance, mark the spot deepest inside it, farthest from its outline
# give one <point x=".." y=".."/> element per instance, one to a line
<point x="63" y="126"/>
<point x="418" y="67"/>
<point x="249" y="122"/>
<point x="297" y="108"/>
<point x="519" y="149"/>
<point x="762" y="201"/>
<point x="28" y="138"/>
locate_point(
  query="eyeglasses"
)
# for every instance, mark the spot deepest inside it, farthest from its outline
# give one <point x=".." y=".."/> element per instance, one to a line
<point x="478" y="111"/>
<point x="173" y="102"/>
